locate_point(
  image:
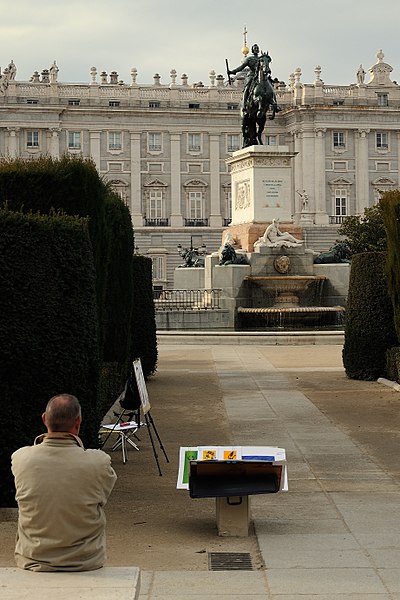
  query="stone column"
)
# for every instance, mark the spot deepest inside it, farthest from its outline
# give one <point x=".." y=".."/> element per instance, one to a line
<point x="298" y="174"/>
<point x="321" y="214"/>
<point x="136" y="190"/>
<point x="94" y="148"/>
<point x="13" y="141"/>
<point x="54" y="143"/>
<point x="176" y="211"/>
<point x="308" y="167"/>
<point x="215" y="200"/>
<point x="362" y="178"/>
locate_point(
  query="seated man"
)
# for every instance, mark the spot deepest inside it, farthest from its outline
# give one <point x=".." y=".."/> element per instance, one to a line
<point x="61" y="490"/>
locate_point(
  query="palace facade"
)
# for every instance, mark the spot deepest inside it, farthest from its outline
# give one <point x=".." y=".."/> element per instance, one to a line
<point x="163" y="147"/>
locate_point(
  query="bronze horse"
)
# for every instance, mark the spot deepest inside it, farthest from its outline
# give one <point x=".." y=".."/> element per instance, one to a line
<point x="260" y="99"/>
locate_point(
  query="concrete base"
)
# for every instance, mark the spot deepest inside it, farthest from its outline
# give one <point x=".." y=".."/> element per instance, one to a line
<point x="233" y="516"/>
<point x="109" y="582"/>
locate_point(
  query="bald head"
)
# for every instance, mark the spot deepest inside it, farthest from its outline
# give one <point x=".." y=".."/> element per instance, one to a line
<point x="63" y="413"/>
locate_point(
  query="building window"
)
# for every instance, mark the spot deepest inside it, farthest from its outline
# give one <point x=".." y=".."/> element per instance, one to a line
<point x="30" y="101"/>
<point x="155" y="205"/>
<point x="154" y="104"/>
<point x="340" y="202"/>
<point x="114" y="103"/>
<point x="120" y="188"/>
<point x="233" y="142"/>
<point x="339" y="140"/>
<point x="159" y="267"/>
<point x="74" y="140"/>
<point x="73" y="102"/>
<point x="32" y="139"/>
<point x="194" y="142"/>
<point x="383" y="166"/>
<point x="271" y="140"/>
<point x="232" y="106"/>
<point x="382" y="140"/>
<point x="383" y="100"/>
<point x="195" y="205"/>
<point x="115" y="166"/>
<point x="194" y="105"/>
<point x="114" y="140"/>
<point x="154" y="142"/>
<point x="155" y="167"/>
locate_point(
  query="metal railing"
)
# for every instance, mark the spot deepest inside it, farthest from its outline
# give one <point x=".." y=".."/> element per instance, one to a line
<point x="155" y="222"/>
<point x="165" y="300"/>
<point x="336" y="219"/>
<point x="196" y="222"/>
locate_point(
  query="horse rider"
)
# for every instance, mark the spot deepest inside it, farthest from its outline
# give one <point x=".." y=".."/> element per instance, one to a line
<point x="253" y="62"/>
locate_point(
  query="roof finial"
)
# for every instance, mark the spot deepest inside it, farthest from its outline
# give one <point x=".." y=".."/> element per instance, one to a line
<point x="245" y="49"/>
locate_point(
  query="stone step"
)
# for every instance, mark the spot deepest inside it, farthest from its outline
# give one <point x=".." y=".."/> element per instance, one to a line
<point x="103" y="584"/>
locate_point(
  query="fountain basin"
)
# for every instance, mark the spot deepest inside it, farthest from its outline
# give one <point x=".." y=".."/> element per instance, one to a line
<point x="301" y="317"/>
<point x="285" y="291"/>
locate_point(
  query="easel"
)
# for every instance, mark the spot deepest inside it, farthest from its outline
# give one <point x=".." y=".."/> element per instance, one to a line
<point x="145" y="406"/>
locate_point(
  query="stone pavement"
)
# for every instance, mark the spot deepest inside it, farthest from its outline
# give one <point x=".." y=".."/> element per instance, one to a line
<point x="336" y="534"/>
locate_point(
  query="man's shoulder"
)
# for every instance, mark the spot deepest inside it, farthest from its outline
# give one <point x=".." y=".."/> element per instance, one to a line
<point x="97" y="456"/>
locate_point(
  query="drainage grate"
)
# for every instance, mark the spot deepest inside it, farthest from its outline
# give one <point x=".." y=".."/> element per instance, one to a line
<point x="229" y="561"/>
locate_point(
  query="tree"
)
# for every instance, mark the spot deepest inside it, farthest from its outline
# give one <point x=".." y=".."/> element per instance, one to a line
<point x="365" y="233"/>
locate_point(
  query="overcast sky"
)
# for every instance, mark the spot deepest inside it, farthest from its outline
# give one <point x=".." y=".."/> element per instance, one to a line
<point x="195" y="36"/>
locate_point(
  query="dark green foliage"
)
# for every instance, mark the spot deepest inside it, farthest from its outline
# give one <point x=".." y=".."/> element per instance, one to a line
<point x="369" y="329"/>
<point x="48" y="327"/>
<point x="70" y="184"/>
<point x="390" y="206"/>
<point x="119" y="288"/>
<point x="364" y="233"/>
<point x="144" y="338"/>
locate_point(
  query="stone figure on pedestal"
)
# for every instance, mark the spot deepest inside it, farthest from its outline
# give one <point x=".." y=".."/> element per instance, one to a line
<point x="360" y="75"/>
<point x="53" y="71"/>
<point x="304" y="199"/>
<point x="274" y="238"/>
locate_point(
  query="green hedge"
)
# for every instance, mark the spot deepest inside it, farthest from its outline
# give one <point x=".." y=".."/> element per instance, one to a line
<point x="369" y="329"/>
<point x="70" y="184"/>
<point x="48" y="327"/>
<point x="390" y="205"/>
<point x="144" y="338"/>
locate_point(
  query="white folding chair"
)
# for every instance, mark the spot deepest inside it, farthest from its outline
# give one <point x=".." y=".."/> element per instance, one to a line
<point x="124" y="430"/>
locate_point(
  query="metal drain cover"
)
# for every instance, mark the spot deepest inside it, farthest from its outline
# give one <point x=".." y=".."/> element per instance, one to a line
<point x="229" y="561"/>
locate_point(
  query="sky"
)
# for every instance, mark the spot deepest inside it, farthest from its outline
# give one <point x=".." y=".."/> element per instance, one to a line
<point x="196" y="36"/>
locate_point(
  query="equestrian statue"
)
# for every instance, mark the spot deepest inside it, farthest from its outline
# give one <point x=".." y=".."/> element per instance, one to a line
<point x="258" y="96"/>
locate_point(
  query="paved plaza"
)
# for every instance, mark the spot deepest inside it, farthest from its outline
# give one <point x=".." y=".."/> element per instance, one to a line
<point x="334" y="536"/>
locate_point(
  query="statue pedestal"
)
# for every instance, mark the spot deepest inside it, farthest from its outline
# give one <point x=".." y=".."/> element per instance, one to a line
<point x="262" y="186"/>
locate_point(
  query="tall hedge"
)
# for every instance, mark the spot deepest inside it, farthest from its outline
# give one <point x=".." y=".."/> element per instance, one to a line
<point x="369" y="328"/>
<point x="144" y="338"/>
<point x="70" y="184"/>
<point x="119" y="286"/>
<point x="390" y="205"/>
<point x="48" y="327"/>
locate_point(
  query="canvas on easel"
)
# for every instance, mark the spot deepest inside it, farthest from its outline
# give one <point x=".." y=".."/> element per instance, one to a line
<point x="145" y="407"/>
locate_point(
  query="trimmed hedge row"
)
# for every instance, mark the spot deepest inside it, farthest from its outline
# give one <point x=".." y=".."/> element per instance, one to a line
<point x="369" y="330"/>
<point x="390" y="205"/>
<point x="144" y="340"/>
<point x="48" y="327"/>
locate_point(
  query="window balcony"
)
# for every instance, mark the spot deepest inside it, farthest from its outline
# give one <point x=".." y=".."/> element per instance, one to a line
<point x="196" y="222"/>
<point x="161" y="222"/>
<point x="336" y="219"/>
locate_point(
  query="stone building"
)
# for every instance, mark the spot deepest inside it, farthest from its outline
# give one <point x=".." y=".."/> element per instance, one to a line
<point x="163" y="146"/>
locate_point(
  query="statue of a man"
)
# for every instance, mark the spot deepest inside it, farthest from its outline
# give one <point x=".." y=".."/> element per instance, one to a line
<point x="252" y="64"/>
<point x="360" y="75"/>
<point x="275" y="238"/>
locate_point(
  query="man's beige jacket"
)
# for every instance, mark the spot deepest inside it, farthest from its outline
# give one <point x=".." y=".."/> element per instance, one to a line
<point x="61" y="490"/>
